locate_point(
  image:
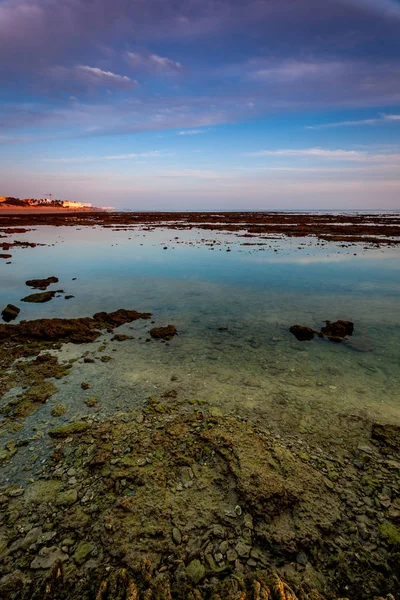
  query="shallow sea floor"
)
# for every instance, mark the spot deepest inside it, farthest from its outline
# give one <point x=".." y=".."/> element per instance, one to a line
<point x="233" y="311"/>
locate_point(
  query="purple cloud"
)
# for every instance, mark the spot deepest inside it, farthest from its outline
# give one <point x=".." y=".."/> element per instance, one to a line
<point x="92" y="77"/>
<point x="154" y="63"/>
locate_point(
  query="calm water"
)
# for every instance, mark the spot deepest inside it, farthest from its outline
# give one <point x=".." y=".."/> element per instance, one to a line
<point x="326" y="392"/>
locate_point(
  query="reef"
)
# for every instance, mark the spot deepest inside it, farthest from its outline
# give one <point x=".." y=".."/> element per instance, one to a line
<point x="335" y="332"/>
<point x="41" y="297"/>
<point x="175" y="503"/>
<point x="164" y="333"/>
<point x="41" y="284"/>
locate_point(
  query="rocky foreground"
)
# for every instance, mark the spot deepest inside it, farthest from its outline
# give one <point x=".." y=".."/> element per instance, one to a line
<point x="175" y="502"/>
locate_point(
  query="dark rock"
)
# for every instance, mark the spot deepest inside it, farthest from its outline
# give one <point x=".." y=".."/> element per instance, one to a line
<point x="77" y="331"/>
<point x="163" y="333"/>
<point x="302" y="333"/>
<point x="39" y="298"/>
<point x="338" y="329"/>
<point x="69" y="297"/>
<point x="387" y="436"/>
<point x="10" y="313"/>
<point x="120" y="337"/>
<point x="41" y="284"/>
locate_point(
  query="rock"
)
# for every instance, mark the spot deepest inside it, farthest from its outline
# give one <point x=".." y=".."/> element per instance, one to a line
<point x="41" y="284"/>
<point x="92" y="401"/>
<point x="231" y="555"/>
<point x="66" y="430"/>
<point x="47" y="557"/>
<point x="243" y="549"/>
<point x="120" y="337"/>
<point x="66" y="498"/>
<point x="77" y="331"/>
<point x="195" y="571"/>
<point x="338" y="330"/>
<point x="85" y="385"/>
<point x="176" y="536"/>
<point x="10" y="312"/>
<point x="69" y="297"/>
<point x="14" y="493"/>
<point x="302" y="333"/>
<point x="88" y="360"/>
<point x="32" y="537"/>
<point x="82" y="552"/>
<point x="39" y="298"/>
<point x="387" y="436"/>
<point x="164" y="333"/>
<point x="58" y="410"/>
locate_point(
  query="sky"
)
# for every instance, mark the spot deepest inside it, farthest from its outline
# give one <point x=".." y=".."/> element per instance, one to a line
<point x="202" y="104"/>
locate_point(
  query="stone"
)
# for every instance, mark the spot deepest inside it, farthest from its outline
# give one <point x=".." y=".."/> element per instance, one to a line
<point x="195" y="571"/>
<point x="41" y="284"/>
<point x="163" y="333"/>
<point x="40" y="298"/>
<point x="231" y="555"/>
<point x="47" y="557"/>
<point x="14" y="493"/>
<point x="302" y="333"/>
<point x="32" y="537"/>
<point x="67" y="430"/>
<point x="243" y="549"/>
<point x="10" y="312"/>
<point x="176" y="536"/>
<point x="83" y="550"/>
<point x="338" y="330"/>
<point x="66" y="498"/>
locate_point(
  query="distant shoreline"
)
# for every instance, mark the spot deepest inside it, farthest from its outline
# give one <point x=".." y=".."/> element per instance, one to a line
<point x="17" y="210"/>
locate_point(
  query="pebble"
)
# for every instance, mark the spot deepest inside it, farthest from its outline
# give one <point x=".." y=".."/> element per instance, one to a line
<point x="176" y="536"/>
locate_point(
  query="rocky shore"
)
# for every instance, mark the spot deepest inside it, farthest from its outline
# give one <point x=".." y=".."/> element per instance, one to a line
<point x="174" y="501"/>
<point x="371" y="229"/>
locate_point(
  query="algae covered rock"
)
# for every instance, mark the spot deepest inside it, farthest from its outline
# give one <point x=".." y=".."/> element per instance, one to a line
<point x="195" y="571"/>
<point x="41" y="284"/>
<point x="163" y="333"/>
<point x="39" y="298"/>
<point x="66" y="498"/>
<point x="67" y="430"/>
<point x="83" y="550"/>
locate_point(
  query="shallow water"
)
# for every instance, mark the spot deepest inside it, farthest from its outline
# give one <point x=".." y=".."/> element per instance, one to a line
<point x="328" y="393"/>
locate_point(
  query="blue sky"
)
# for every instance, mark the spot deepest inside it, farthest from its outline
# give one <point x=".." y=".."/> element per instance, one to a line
<point x="189" y="104"/>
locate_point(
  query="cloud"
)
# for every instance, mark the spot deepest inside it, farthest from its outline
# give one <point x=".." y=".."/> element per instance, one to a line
<point x="92" y="77"/>
<point x="192" y="132"/>
<point x="150" y="154"/>
<point x="292" y="70"/>
<point x="311" y="152"/>
<point x="378" y="120"/>
<point x="385" y="8"/>
<point x="153" y="62"/>
<point x="323" y="153"/>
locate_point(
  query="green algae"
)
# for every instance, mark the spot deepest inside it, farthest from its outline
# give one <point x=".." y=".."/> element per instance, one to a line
<point x="70" y="429"/>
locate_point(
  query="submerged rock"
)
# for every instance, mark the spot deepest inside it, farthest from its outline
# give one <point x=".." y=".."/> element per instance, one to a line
<point x="77" y="331"/>
<point x="163" y="333"/>
<point x="387" y="436"/>
<point x="47" y="557"/>
<point x="41" y="284"/>
<point x="40" y="297"/>
<point x="302" y="333"/>
<point x="338" y="330"/>
<point x="10" y="313"/>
